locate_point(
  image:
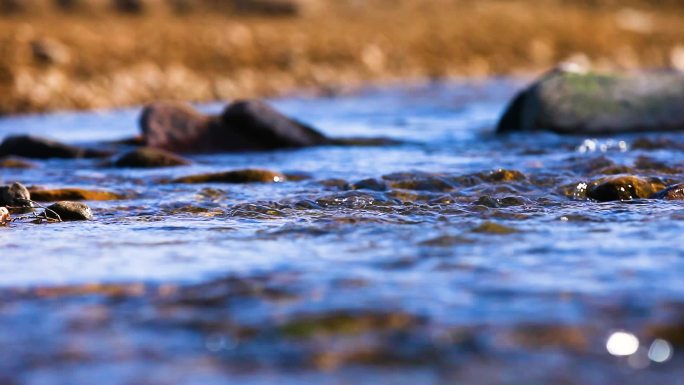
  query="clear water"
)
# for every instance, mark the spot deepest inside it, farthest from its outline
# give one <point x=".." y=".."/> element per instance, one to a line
<point x="145" y="294"/>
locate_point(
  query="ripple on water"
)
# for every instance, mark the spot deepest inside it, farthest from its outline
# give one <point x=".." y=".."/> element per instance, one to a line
<point x="455" y="252"/>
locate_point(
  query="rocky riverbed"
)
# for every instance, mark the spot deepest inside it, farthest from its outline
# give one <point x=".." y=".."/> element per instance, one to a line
<point x="451" y="255"/>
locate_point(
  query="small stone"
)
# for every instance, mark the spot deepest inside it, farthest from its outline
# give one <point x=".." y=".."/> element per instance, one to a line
<point x="624" y="187"/>
<point x="69" y="211"/>
<point x="4" y="216"/>
<point x="672" y="193"/>
<point x="148" y="157"/>
<point x="15" y="195"/>
<point x="237" y="176"/>
<point x="73" y="194"/>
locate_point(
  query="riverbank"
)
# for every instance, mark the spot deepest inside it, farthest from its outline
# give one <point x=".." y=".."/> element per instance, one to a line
<point x="55" y="60"/>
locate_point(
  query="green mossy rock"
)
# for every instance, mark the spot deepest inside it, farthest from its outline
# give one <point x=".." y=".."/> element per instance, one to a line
<point x="590" y="103"/>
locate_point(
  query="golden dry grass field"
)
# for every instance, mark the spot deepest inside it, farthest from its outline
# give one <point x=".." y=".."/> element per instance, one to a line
<point x="94" y="57"/>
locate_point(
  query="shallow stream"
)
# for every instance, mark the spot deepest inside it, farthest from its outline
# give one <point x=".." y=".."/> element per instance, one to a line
<point x="469" y="258"/>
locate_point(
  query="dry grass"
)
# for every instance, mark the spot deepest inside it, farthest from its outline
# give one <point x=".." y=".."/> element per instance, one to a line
<point x="52" y="60"/>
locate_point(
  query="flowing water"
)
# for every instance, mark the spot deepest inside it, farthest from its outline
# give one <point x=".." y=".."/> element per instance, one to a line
<point x="457" y="256"/>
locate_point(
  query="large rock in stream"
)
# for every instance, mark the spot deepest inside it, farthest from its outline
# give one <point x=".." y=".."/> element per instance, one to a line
<point x="587" y="103"/>
<point x="247" y="125"/>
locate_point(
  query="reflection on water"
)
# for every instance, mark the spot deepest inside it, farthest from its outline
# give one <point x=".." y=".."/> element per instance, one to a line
<point x="456" y="257"/>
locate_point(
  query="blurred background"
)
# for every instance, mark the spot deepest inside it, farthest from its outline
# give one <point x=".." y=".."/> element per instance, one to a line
<point x="82" y="54"/>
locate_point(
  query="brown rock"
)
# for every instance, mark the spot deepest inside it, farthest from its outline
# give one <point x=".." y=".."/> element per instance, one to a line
<point x="73" y="194"/>
<point x="672" y="193"/>
<point x="39" y="148"/>
<point x="148" y="157"/>
<point x="502" y="175"/>
<point x="69" y="211"/>
<point x="243" y="126"/>
<point x="623" y="187"/>
<point x="237" y="176"/>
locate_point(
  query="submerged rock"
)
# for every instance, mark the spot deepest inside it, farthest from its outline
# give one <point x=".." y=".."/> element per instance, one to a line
<point x="236" y="176"/>
<point x="243" y="126"/>
<point x="15" y="195"/>
<point x="370" y="184"/>
<point x="494" y="228"/>
<point x="623" y="187"/>
<point x="11" y="162"/>
<point x="69" y="211"/>
<point x="148" y="157"/>
<point x="502" y="175"/>
<point x="40" y="148"/>
<point x="589" y="103"/>
<point x="672" y="193"/>
<point x="73" y="194"/>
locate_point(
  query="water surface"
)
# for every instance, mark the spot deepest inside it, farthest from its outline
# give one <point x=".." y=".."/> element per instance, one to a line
<point x="456" y="272"/>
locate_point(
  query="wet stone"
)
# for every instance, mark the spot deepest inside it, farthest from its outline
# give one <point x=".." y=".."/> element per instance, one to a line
<point x="512" y="201"/>
<point x="494" y="228"/>
<point x="496" y="176"/>
<point x="671" y="193"/>
<point x="39" y="148"/>
<point x="502" y="175"/>
<point x="418" y="182"/>
<point x="236" y="176"/>
<point x="370" y="184"/>
<point x="4" y="216"/>
<point x="15" y="195"/>
<point x="73" y="194"/>
<point x="339" y="184"/>
<point x="487" y="201"/>
<point x="148" y="157"/>
<point x="625" y="187"/>
<point x="69" y="211"/>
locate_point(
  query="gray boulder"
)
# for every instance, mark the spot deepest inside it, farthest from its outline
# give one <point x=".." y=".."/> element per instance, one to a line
<point x="586" y="103"/>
